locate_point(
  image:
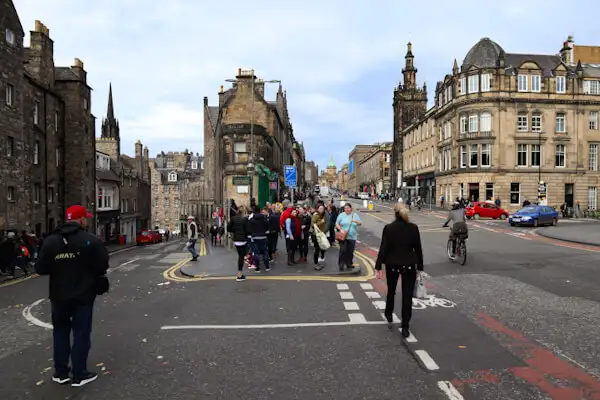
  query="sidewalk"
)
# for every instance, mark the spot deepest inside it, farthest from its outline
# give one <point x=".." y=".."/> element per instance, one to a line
<point x="585" y="232"/>
<point x="220" y="261"/>
<point x="116" y="247"/>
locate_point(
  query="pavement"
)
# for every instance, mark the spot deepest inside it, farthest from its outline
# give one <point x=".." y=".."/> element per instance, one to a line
<point x="576" y="231"/>
<point x="518" y="321"/>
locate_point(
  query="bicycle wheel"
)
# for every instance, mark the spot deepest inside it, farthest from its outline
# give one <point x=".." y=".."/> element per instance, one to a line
<point x="449" y="249"/>
<point x="462" y="248"/>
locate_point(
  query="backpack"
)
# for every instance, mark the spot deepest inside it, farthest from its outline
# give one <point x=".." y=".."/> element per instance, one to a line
<point x="460" y="229"/>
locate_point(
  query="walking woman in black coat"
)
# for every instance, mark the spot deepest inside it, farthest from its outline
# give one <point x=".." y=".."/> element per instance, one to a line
<point x="401" y="252"/>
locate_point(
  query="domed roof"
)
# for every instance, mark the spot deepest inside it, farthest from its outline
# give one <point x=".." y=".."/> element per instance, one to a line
<point x="484" y="54"/>
<point x="331" y="163"/>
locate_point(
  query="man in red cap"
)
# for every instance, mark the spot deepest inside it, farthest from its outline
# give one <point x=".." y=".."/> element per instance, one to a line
<point x="77" y="262"/>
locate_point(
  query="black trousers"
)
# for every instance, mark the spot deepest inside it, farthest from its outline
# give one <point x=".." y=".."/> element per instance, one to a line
<point x="67" y="317"/>
<point x="409" y="278"/>
<point x="303" y="245"/>
<point x="272" y="238"/>
<point x="242" y="251"/>
<point x="318" y="251"/>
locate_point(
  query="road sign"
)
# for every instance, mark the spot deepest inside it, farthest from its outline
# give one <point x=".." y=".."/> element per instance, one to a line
<point x="289" y="172"/>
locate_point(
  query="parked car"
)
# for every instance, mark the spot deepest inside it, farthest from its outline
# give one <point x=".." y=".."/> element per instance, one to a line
<point x="534" y="216"/>
<point x="148" y="237"/>
<point x="485" y="209"/>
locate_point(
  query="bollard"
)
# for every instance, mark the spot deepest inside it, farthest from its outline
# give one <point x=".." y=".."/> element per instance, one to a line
<point x="342" y="203"/>
<point x="365" y="203"/>
<point x="370" y="205"/>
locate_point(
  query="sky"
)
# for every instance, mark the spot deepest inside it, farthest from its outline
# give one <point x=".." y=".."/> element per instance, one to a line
<point x="338" y="60"/>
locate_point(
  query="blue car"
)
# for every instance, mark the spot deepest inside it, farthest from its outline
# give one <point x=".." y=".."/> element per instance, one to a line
<point x="534" y="216"/>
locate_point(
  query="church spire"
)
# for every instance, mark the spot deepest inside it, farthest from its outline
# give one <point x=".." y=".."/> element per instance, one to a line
<point x="110" y="113"/>
<point x="409" y="71"/>
<point x="110" y="125"/>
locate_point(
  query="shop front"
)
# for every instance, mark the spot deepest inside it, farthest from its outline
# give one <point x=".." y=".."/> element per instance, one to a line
<point x="108" y="226"/>
<point x="267" y="185"/>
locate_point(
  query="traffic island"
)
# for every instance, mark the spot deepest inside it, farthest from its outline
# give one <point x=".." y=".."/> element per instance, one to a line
<point x="586" y="233"/>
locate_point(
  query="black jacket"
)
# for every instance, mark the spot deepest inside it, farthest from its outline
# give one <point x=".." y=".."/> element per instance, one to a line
<point x="258" y="224"/>
<point x="400" y="245"/>
<point x="306" y="222"/>
<point x="238" y="227"/>
<point x="74" y="266"/>
<point x="274" y="226"/>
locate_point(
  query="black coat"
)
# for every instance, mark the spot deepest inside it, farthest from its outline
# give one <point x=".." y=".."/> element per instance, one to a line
<point x="400" y="245"/>
<point x="238" y="227"/>
<point x="258" y="225"/>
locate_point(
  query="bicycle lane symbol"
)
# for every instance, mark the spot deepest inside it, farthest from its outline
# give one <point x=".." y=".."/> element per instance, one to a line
<point x="432" y="302"/>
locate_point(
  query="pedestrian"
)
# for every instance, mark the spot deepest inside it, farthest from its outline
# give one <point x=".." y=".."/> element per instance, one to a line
<point x="238" y="227"/>
<point x="274" y="231"/>
<point x="347" y="224"/>
<point x="332" y="214"/>
<point x="192" y="229"/>
<point x="76" y="261"/>
<point x="258" y="225"/>
<point x="214" y="230"/>
<point x="292" y="228"/>
<point x="9" y="253"/>
<point x="305" y="225"/>
<point x="319" y="221"/>
<point x="401" y="253"/>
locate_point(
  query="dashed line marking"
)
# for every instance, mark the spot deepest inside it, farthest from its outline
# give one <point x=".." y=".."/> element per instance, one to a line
<point x="357" y="318"/>
<point x="373" y="295"/>
<point x="342" y="286"/>
<point x="449" y="390"/>
<point x="395" y="318"/>
<point x="411" y="338"/>
<point x="351" y="306"/>
<point x="427" y="360"/>
<point x="379" y="304"/>
<point x="346" y="295"/>
<point x="366" y="286"/>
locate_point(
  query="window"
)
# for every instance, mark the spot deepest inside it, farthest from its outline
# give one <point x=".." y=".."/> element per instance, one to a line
<point x="107" y="198"/>
<point x="85" y="104"/>
<point x="130" y="181"/>
<point x="194" y="164"/>
<point x="36" y="112"/>
<point x="560" y="155"/>
<point x="561" y="84"/>
<point x="36" y="152"/>
<point x="10" y="146"/>
<point x="57" y="157"/>
<point x="50" y="194"/>
<point x="172" y="176"/>
<point x="522" y="122"/>
<point x="522" y="83"/>
<point x="473" y="155"/>
<point x="515" y="193"/>
<point x="473" y="83"/>
<point x="56" y="121"/>
<point x="536" y="154"/>
<point x="10" y="94"/>
<point x="489" y="191"/>
<point x="463" y="156"/>
<point x="561" y="123"/>
<point x="593" y="162"/>
<point x="123" y="205"/>
<point x="134" y="205"/>
<point x="521" y="155"/>
<point x="170" y="163"/>
<point x="591" y="87"/>
<point x="486" y="155"/>
<point x="10" y="193"/>
<point x="10" y="37"/>
<point x="486" y="80"/>
<point x="37" y="192"/>
<point x="594" y="120"/>
<point x="485" y="122"/>
<point x="464" y="124"/>
<point x="536" y="83"/>
<point x="473" y="119"/>
<point x="592" y="197"/>
<point x="536" y="122"/>
<point x="239" y="148"/>
<point x="167" y="203"/>
<point x="462" y="84"/>
<point x="201" y="164"/>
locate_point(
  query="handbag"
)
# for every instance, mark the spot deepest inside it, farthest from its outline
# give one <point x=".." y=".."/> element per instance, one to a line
<point x="420" y="291"/>
<point x="322" y="240"/>
<point x="340" y="235"/>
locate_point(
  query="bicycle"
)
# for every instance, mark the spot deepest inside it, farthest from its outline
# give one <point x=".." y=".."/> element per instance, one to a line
<point x="461" y="249"/>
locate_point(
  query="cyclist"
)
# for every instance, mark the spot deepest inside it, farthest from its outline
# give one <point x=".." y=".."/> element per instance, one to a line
<point x="459" y="224"/>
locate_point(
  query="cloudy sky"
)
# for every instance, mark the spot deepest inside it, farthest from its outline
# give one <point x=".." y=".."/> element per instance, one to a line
<point x="338" y="60"/>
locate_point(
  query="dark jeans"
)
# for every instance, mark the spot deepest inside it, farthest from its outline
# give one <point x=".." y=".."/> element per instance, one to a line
<point x="242" y="251"/>
<point x="291" y="245"/>
<point x="409" y="277"/>
<point x="213" y="239"/>
<point x="272" y="241"/>
<point x="318" y="251"/>
<point x="67" y="317"/>
<point x="303" y="246"/>
<point x="261" y="250"/>
<point x="346" y="255"/>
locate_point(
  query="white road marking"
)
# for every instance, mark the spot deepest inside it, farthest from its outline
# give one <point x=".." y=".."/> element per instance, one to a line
<point x="395" y="318"/>
<point x="373" y="295"/>
<point x="357" y="318"/>
<point x="351" y="306"/>
<point x="379" y="304"/>
<point x="346" y="295"/>
<point x="449" y="390"/>
<point x="366" y="286"/>
<point x="270" y="326"/>
<point x="427" y="360"/>
<point x="29" y="317"/>
<point x="110" y="270"/>
<point x="342" y="286"/>
<point x="411" y="338"/>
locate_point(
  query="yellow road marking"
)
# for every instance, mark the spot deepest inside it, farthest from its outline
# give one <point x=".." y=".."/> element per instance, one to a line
<point x="18" y="280"/>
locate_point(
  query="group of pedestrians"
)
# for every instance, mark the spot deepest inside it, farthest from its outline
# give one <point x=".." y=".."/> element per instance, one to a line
<point x="18" y="251"/>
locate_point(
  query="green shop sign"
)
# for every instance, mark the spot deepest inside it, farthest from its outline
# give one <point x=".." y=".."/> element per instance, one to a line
<point x="241" y="180"/>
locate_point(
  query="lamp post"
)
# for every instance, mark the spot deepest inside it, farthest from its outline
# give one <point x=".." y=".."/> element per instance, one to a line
<point x="251" y="163"/>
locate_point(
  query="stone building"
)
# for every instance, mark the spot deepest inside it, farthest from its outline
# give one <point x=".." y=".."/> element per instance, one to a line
<point x="124" y="210"/>
<point x="311" y="174"/>
<point x="354" y="158"/>
<point x="46" y="130"/>
<point x="329" y="177"/>
<point x="374" y="169"/>
<point x="409" y="104"/>
<point x="179" y="189"/>
<point x="228" y="148"/>
<point x="516" y="126"/>
<point x="343" y="178"/>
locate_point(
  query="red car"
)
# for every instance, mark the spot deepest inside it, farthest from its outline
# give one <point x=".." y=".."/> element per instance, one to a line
<point x="148" y="237"/>
<point x="485" y="209"/>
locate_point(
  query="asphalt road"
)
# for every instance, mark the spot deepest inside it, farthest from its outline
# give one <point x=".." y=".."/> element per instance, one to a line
<point x="519" y="321"/>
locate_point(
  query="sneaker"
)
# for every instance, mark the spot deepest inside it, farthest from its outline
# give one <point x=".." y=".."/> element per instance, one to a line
<point x="61" y="379"/>
<point x="252" y="267"/>
<point x="257" y="269"/>
<point x="84" y="380"/>
<point x="240" y="278"/>
<point x="267" y="269"/>
<point x="321" y="260"/>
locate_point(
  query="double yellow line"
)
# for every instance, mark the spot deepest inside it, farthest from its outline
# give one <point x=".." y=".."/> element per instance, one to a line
<point x="369" y="264"/>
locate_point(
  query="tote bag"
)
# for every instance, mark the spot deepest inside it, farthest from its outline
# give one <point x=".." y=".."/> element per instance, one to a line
<point x="322" y="240"/>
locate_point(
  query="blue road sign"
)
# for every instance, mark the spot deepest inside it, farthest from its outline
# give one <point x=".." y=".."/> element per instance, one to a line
<point x="291" y="177"/>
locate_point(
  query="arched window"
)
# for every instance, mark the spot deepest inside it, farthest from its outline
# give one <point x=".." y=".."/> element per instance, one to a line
<point x="172" y="176"/>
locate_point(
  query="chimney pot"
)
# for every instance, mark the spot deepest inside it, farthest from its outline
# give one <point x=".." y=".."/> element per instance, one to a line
<point x="38" y="26"/>
<point x="239" y="71"/>
<point x="78" y="63"/>
<point x="221" y="89"/>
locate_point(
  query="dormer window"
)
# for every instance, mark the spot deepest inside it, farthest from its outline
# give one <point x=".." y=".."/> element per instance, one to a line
<point x="561" y="84"/>
<point x="172" y="177"/>
<point x="10" y="37"/>
<point x="194" y="164"/>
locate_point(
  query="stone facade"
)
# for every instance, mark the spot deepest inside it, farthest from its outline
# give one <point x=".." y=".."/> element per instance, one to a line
<point x="343" y="178"/>
<point x="374" y="169"/>
<point x="46" y="130"/>
<point x="355" y="157"/>
<point x="311" y="174"/>
<point x="329" y="177"/>
<point x="506" y="125"/>
<point x="228" y="146"/>
<point x="410" y="104"/>
<point x="179" y="189"/>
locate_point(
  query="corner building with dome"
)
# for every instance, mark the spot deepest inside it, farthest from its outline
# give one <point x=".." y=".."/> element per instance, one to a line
<point x="511" y="126"/>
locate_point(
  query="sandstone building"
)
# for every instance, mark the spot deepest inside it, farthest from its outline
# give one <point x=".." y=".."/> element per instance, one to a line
<point x="374" y="169"/>
<point x="329" y="177"/>
<point x="311" y="174"/>
<point x="229" y="168"/>
<point x="513" y="127"/>
<point x="343" y="178"/>
<point x="47" y="146"/>
<point x="354" y="159"/>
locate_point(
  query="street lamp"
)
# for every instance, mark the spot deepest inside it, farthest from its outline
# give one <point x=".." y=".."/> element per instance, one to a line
<point x="250" y="164"/>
